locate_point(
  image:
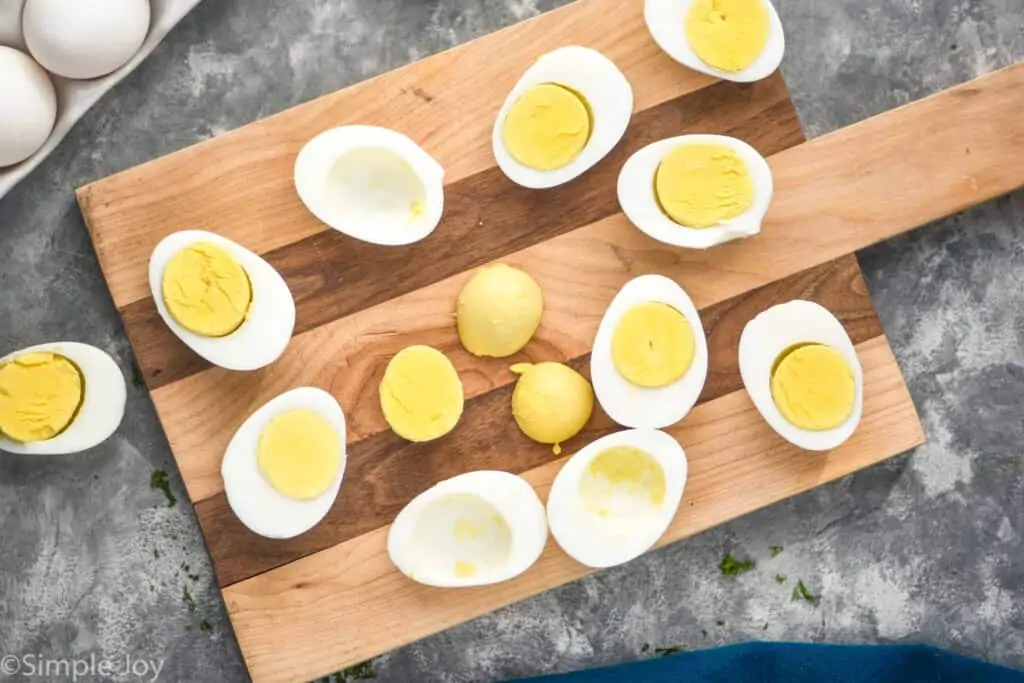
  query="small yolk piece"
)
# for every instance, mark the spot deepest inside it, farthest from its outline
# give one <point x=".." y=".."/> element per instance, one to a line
<point x="40" y="395"/>
<point x="622" y="471"/>
<point x="206" y="290"/>
<point x="652" y="345"/>
<point x="728" y="34"/>
<point x="813" y="387"/>
<point x="421" y="394"/>
<point x="547" y="127"/>
<point x="299" y="454"/>
<point x="465" y="570"/>
<point x="701" y="185"/>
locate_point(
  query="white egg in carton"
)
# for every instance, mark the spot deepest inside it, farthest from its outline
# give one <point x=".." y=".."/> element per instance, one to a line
<point x="58" y="58"/>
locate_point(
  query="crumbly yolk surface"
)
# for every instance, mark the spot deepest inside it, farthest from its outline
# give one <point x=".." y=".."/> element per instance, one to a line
<point x="40" y="395"/>
<point x="701" y="185"/>
<point x="547" y="127"/>
<point x="652" y="345"/>
<point x="299" y="453"/>
<point x="206" y="290"/>
<point x="813" y="387"/>
<point x="421" y="394"/>
<point x="728" y="34"/>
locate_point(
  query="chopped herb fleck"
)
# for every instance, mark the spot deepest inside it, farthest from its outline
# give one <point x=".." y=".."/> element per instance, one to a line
<point x="194" y="577"/>
<point x="186" y="597"/>
<point x="775" y="550"/>
<point x="765" y="627"/>
<point x="704" y="633"/>
<point x="730" y="566"/>
<point x="137" y="378"/>
<point x="159" y="481"/>
<point x="666" y="651"/>
<point x="645" y="647"/>
<point x="205" y="626"/>
<point x="802" y="593"/>
<point x="780" y="578"/>
<point x="356" y="672"/>
<point x="156" y="554"/>
<point x="720" y="623"/>
<point x="188" y="627"/>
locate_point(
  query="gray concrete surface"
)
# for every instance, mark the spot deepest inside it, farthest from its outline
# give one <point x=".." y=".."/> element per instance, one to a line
<point x="928" y="547"/>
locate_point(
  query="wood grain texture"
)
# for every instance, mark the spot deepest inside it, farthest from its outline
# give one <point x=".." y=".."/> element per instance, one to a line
<point x="320" y="605"/>
<point x="385" y="472"/>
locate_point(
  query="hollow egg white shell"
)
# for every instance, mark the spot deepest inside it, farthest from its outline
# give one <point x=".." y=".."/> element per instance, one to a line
<point x="635" y="406"/>
<point x="373" y="184"/>
<point x="474" y="529"/>
<point x="103" y="401"/>
<point x="267" y="329"/>
<point x="773" y="332"/>
<point x="607" y="93"/>
<point x="640" y="204"/>
<point x="666" y="21"/>
<point x="612" y="524"/>
<point x="254" y="501"/>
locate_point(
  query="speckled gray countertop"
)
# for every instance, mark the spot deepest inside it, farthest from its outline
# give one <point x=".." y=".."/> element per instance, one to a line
<point x="927" y="547"/>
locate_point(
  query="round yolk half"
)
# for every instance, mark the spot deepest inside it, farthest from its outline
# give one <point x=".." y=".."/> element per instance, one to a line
<point x="40" y="394"/>
<point x="547" y="127"/>
<point x="728" y="34"/>
<point x="813" y="387"/>
<point x="299" y="453"/>
<point x="702" y="185"/>
<point x="421" y="394"/>
<point x="206" y="290"/>
<point x="652" y="345"/>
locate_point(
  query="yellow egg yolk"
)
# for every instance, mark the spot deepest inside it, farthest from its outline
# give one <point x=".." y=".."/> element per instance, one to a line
<point x="547" y="127"/>
<point x="653" y="345"/>
<point x="728" y="34"/>
<point x="813" y="387"/>
<point x="299" y="453"/>
<point x="206" y="290"/>
<point x="701" y="185"/>
<point x="498" y="311"/>
<point x="551" y="402"/>
<point x="421" y="394"/>
<point x="40" y="394"/>
<point x="624" y="470"/>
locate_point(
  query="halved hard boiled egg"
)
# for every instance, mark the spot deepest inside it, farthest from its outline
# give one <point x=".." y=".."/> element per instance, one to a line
<point x="474" y="529"/>
<point x="613" y="500"/>
<point x="59" y="398"/>
<point x="736" y="40"/>
<point x="225" y="302"/>
<point x="696" y="191"/>
<point x="565" y="114"/>
<point x="802" y="373"/>
<point x="283" y="467"/>
<point x="371" y="183"/>
<point x="650" y="355"/>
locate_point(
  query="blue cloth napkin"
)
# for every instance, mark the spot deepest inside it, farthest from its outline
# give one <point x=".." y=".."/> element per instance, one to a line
<point x="799" y="663"/>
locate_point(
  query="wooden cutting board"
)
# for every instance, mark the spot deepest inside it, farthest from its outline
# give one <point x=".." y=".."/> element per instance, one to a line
<point x="331" y="595"/>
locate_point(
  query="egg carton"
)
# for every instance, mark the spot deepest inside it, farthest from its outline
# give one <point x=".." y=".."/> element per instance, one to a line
<point x="75" y="98"/>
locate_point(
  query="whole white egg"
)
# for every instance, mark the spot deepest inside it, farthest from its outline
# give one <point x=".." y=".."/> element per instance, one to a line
<point x="102" y="407"/>
<point x="269" y="323"/>
<point x="28" y="106"/>
<point x="373" y="184"/>
<point x="637" y="195"/>
<point x="632" y="405"/>
<point x="256" y="503"/>
<point x="615" y="498"/>
<point x="10" y="23"/>
<point x="83" y="39"/>
<point x="606" y="93"/>
<point x="474" y="529"/>
<point x="764" y="341"/>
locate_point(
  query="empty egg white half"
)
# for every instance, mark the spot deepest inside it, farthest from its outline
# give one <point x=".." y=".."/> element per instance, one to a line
<point x="373" y="184"/>
<point x="103" y="401"/>
<point x="666" y="21"/>
<point x="474" y="529"/>
<point x="771" y="333"/>
<point x="635" y="406"/>
<point x="254" y="501"/>
<point x="603" y="521"/>
<point x="264" y="334"/>
<point x="640" y="204"/>
<point x="607" y="94"/>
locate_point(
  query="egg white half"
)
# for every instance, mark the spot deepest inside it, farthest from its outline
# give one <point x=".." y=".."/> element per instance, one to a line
<point x="606" y="91"/>
<point x="362" y="181"/>
<point x="774" y="331"/>
<point x="640" y="204"/>
<point x="254" y="501"/>
<point x="263" y="336"/>
<point x="103" y="401"/>
<point x="643" y="407"/>
<point x="423" y="543"/>
<point x="666" y="21"/>
<point x="597" y="541"/>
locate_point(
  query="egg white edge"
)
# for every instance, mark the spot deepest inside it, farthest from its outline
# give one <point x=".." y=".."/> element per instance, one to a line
<point x="666" y="22"/>
<point x="279" y="516"/>
<point x="565" y="515"/>
<point x="635" y="188"/>
<point x="654" y="408"/>
<point x="602" y="84"/>
<point x="102" y="407"/>
<point x="770" y="333"/>
<point x="514" y="499"/>
<point x="314" y="162"/>
<point x="271" y="320"/>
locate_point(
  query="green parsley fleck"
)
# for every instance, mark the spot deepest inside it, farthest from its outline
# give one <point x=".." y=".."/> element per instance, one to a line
<point x="156" y="554"/>
<point x="645" y="647"/>
<point x="802" y="593"/>
<point x="704" y="633"/>
<point x="159" y="481"/>
<point x="719" y="623"/>
<point x="188" y="627"/>
<point x="730" y="566"/>
<point x="186" y="597"/>
<point x="780" y="579"/>
<point x="666" y="651"/>
<point x="775" y="550"/>
<point x="765" y="627"/>
<point x="358" y="672"/>
<point x="205" y="626"/>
